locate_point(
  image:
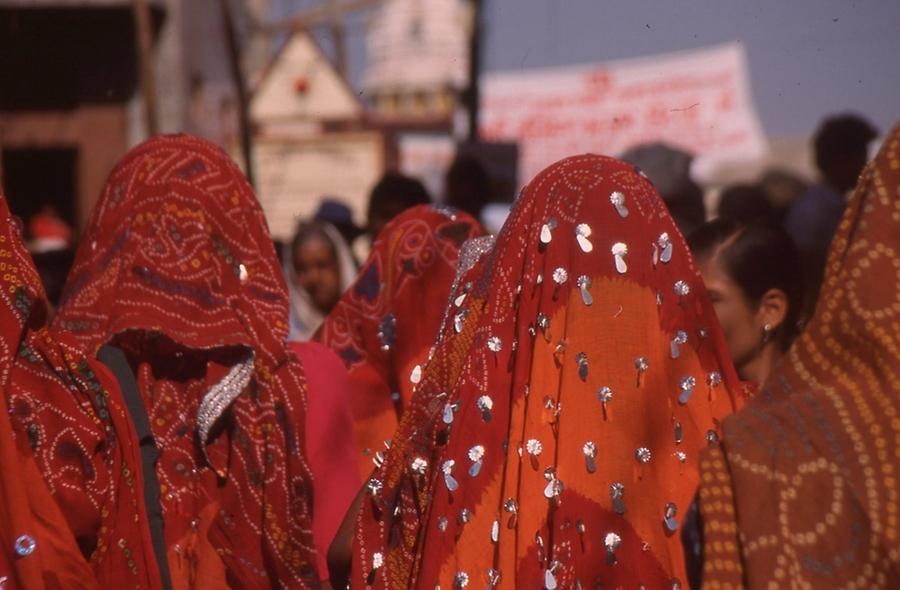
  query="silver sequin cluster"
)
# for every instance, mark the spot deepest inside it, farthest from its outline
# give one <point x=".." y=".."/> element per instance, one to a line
<point x="221" y="395"/>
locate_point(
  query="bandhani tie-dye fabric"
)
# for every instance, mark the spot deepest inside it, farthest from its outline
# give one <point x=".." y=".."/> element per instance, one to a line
<point x="803" y="491"/>
<point x="554" y="438"/>
<point x="178" y="269"/>
<point x="385" y="324"/>
<point x="71" y="497"/>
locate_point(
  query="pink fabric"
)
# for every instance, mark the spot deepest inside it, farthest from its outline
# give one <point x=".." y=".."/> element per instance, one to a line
<point x="330" y="448"/>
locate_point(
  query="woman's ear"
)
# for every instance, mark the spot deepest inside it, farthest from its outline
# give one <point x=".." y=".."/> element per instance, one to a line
<point x="773" y="309"/>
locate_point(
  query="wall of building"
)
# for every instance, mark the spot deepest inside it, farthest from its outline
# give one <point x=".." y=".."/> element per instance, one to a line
<point x="99" y="133"/>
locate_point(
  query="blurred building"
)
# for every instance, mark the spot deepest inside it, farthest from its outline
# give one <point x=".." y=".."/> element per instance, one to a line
<point x="196" y="90"/>
<point x="417" y="61"/>
<point x="71" y="102"/>
<point x="312" y="137"/>
<point x="315" y="135"/>
<point x="69" y="72"/>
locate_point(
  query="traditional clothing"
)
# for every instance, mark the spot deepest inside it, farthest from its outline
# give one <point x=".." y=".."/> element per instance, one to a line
<point x="72" y="512"/>
<point x="802" y="491"/>
<point x="329" y="442"/>
<point x="177" y="269"/>
<point x="555" y="433"/>
<point x="385" y="324"/>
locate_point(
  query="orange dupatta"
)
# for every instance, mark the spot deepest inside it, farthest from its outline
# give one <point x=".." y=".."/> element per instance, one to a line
<point x="556" y="432"/>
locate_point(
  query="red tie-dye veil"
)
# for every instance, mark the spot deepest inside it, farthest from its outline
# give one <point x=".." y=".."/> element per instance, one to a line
<point x="71" y="500"/>
<point x="177" y="268"/>
<point x="384" y="325"/>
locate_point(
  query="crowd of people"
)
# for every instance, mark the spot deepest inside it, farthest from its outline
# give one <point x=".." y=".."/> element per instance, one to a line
<point x="617" y="390"/>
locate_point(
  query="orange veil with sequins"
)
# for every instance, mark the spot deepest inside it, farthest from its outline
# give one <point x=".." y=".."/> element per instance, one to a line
<point x="803" y="489"/>
<point x="555" y="435"/>
<point x="384" y="325"/>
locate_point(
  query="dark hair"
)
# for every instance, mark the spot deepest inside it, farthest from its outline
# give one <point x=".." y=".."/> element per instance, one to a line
<point x="308" y="230"/>
<point x="841" y="145"/>
<point x="395" y="193"/>
<point x="746" y="203"/>
<point x="334" y="211"/>
<point x="53" y="267"/>
<point x="467" y="185"/>
<point x="758" y="256"/>
<point x="842" y="135"/>
<point x="669" y="169"/>
<point x="686" y="206"/>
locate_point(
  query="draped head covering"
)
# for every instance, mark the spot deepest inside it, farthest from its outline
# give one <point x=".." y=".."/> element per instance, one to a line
<point x="555" y="434"/>
<point x="305" y="317"/>
<point x="71" y="499"/>
<point x="177" y="268"/>
<point x="803" y="488"/>
<point x="385" y="324"/>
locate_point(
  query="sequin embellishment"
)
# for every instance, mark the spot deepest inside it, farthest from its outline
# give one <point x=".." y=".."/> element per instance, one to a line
<point x="687" y="386"/>
<point x="618" y="201"/>
<point x="619" y="251"/>
<point x="582" y="233"/>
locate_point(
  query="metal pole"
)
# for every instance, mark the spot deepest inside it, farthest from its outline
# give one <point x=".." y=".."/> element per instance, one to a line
<point x="144" y="30"/>
<point x="243" y="98"/>
<point x="337" y="38"/>
<point x="473" y="92"/>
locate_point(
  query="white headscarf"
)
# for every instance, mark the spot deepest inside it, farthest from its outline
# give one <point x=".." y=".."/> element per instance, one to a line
<point x="305" y="317"/>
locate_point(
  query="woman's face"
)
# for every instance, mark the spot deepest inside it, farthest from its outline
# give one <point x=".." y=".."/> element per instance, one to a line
<point x="740" y="320"/>
<point x="318" y="273"/>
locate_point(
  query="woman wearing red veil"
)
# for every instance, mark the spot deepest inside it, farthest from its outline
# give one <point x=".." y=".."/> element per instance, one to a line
<point x="385" y="324"/>
<point x="72" y="506"/>
<point x="554" y="436"/>
<point x="177" y="278"/>
<point x="802" y="489"/>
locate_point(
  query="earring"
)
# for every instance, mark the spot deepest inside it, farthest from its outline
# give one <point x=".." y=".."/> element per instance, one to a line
<point x="767" y="333"/>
